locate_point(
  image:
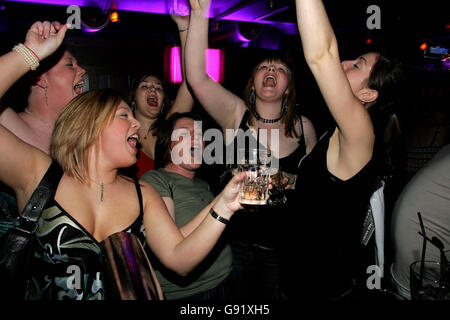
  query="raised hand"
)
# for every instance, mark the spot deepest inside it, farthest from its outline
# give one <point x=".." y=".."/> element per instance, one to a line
<point x="202" y="5"/>
<point x="45" y="37"/>
<point x="181" y="21"/>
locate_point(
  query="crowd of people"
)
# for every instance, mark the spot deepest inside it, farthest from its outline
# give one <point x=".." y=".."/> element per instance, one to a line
<point x="121" y="172"/>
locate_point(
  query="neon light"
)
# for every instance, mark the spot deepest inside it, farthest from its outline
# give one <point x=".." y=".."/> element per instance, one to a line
<point x="214" y="65"/>
<point x="175" y="66"/>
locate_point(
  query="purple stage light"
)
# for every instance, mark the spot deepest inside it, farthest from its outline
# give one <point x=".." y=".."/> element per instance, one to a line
<point x="214" y="65"/>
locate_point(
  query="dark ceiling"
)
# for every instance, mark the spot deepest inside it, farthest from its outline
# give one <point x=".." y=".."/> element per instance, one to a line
<point x="268" y="24"/>
<point x="137" y="41"/>
<point x="425" y="19"/>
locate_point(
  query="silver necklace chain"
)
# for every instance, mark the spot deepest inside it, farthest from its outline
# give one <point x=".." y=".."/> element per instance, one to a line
<point x="37" y="117"/>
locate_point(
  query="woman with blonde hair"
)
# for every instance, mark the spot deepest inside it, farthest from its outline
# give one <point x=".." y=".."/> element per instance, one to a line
<point x="94" y="137"/>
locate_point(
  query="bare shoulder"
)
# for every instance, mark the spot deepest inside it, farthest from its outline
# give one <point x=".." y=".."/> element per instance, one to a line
<point x="307" y="123"/>
<point x="309" y="132"/>
<point x="238" y="113"/>
<point x="12" y="120"/>
<point x="149" y="193"/>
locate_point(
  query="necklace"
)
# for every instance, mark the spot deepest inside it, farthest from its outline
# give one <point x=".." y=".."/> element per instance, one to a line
<point x="37" y="117"/>
<point x="102" y="187"/>
<point x="264" y="120"/>
<point x="147" y="132"/>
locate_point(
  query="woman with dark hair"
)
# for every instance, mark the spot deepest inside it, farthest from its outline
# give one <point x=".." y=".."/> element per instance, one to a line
<point x="185" y="195"/>
<point x="94" y="136"/>
<point x="266" y="114"/>
<point x="335" y="181"/>
<point x="151" y="104"/>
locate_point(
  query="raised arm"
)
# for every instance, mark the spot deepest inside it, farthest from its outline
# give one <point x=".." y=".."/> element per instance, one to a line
<point x="322" y="56"/>
<point x="184" y="100"/>
<point x="21" y="165"/>
<point x="43" y="38"/>
<point x="179" y="253"/>
<point x="222" y="105"/>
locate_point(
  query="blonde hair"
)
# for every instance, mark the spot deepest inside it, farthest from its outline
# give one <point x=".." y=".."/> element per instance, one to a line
<point x="78" y="127"/>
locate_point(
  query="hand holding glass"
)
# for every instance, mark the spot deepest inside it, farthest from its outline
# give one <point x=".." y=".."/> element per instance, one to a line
<point x="256" y="165"/>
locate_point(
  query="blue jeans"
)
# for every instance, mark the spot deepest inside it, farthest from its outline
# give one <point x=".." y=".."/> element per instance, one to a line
<point x="255" y="273"/>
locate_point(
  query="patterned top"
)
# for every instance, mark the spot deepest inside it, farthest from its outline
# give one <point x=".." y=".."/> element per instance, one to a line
<point x="67" y="261"/>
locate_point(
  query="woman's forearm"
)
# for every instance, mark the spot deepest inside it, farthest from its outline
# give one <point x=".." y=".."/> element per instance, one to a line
<point x="196" y="45"/>
<point x="317" y="35"/>
<point x="13" y="67"/>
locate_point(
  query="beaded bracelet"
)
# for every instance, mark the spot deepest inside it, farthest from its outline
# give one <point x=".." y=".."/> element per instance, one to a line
<point x="28" y="55"/>
<point x="182" y="30"/>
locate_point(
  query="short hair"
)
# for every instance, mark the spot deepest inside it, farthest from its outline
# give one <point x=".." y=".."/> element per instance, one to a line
<point x="162" y="147"/>
<point x="79" y="126"/>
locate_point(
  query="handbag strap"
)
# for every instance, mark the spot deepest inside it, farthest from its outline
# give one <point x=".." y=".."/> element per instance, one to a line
<point x="28" y="220"/>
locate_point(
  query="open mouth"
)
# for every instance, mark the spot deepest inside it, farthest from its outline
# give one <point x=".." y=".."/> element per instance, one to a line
<point x="195" y="149"/>
<point x="270" y="81"/>
<point x="133" y="141"/>
<point x="78" y="88"/>
<point x="152" y="101"/>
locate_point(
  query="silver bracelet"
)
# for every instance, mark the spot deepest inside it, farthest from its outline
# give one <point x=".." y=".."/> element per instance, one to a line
<point x="218" y="217"/>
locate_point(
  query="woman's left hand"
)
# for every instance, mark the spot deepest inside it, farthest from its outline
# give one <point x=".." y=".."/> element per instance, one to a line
<point x="180" y="16"/>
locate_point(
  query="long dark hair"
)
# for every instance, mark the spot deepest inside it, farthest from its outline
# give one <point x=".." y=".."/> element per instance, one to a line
<point x="387" y="77"/>
<point x="290" y="98"/>
<point x="162" y="147"/>
<point x="166" y="104"/>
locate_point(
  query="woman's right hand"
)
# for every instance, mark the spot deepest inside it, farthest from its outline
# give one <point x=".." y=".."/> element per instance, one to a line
<point x="45" y="37"/>
<point x="228" y="201"/>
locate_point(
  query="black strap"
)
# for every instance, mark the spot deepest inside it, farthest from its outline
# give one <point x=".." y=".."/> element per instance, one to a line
<point x="139" y="193"/>
<point x="28" y="220"/>
<point x="302" y="137"/>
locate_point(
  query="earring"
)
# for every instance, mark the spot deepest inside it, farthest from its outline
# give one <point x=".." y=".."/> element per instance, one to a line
<point x="252" y="97"/>
<point x="46" y="97"/>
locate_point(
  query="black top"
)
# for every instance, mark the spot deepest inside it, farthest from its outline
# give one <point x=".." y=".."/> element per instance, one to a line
<point x="322" y="254"/>
<point x="65" y="249"/>
<point x="256" y="224"/>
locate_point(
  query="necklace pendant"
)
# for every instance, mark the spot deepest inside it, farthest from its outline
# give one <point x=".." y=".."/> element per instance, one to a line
<point x="102" y="188"/>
